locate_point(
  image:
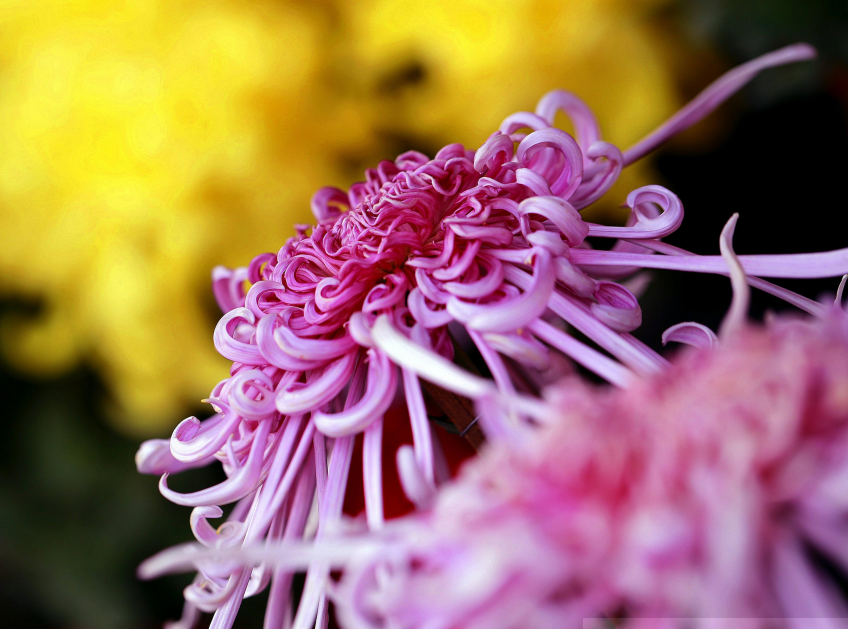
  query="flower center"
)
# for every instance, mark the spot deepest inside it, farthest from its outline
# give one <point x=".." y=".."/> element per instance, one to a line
<point x="357" y="253"/>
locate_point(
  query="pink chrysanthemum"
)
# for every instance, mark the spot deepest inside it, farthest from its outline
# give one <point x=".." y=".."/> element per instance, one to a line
<point x="490" y="240"/>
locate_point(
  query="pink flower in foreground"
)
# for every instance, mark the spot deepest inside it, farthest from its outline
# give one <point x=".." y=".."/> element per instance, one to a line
<point x="492" y="241"/>
<point x="705" y="491"/>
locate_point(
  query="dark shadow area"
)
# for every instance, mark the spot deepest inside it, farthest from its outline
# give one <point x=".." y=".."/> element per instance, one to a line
<point x="782" y="169"/>
<point x="75" y="516"/>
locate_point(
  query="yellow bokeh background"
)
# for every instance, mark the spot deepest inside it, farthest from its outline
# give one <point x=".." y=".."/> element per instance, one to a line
<point x="144" y="142"/>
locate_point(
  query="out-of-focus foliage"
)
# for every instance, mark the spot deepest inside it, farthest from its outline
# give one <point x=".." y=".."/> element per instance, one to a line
<point x="143" y="142"/>
<point x="140" y="144"/>
<point x="75" y="516"/>
<point x="746" y="28"/>
<point x="453" y="73"/>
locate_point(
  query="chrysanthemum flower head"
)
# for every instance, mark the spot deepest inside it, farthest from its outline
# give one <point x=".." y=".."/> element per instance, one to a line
<point x="143" y="142"/>
<point x="324" y="332"/>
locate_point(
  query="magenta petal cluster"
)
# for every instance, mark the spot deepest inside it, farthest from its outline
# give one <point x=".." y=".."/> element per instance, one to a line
<point x="706" y="491"/>
<point x="324" y="332"/>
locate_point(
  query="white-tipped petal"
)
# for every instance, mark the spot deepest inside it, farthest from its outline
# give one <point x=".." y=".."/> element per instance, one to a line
<point x="738" y="312"/>
<point x="420" y="492"/>
<point x="426" y="363"/>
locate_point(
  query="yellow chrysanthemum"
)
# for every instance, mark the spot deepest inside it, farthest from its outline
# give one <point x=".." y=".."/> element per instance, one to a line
<point x="141" y="143"/>
<point x="478" y="59"/>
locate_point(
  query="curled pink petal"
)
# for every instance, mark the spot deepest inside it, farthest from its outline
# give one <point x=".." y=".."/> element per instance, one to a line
<point x="548" y="240"/>
<point x="328" y="204"/>
<point x="495" y="151"/>
<point x="523" y="120"/>
<point x="617" y="307"/>
<point x="513" y="313"/>
<point x="487" y="284"/>
<point x="252" y="394"/>
<point x="154" y="457"/>
<point x="258" y="266"/>
<point x="269" y="347"/>
<point x="561" y="213"/>
<point x="535" y="182"/>
<point x="576" y="280"/>
<point x="430" y="289"/>
<point x="498" y="236"/>
<point x="586" y="127"/>
<point x="382" y="381"/>
<point x="313" y="350"/>
<point x="208" y="598"/>
<point x="240" y="484"/>
<point x="227" y="285"/>
<point x="460" y="264"/>
<point x="386" y="296"/>
<point x="605" y="166"/>
<point x="194" y="440"/>
<point x="690" y="333"/>
<point x="446" y="250"/>
<point x="228" y="345"/>
<point x="563" y="170"/>
<point x="263" y="297"/>
<point x="647" y="225"/>
<point x="203" y="531"/>
<point x="427" y="316"/>
<point x="297" y="398"/>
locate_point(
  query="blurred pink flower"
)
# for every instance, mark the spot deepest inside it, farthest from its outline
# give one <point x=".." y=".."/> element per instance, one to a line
<point x="492" y="241"/>
<point x="701" y="492"/>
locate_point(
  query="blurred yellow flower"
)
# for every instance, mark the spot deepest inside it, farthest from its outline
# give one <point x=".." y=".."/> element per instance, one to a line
<point x="143" y="142"/>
